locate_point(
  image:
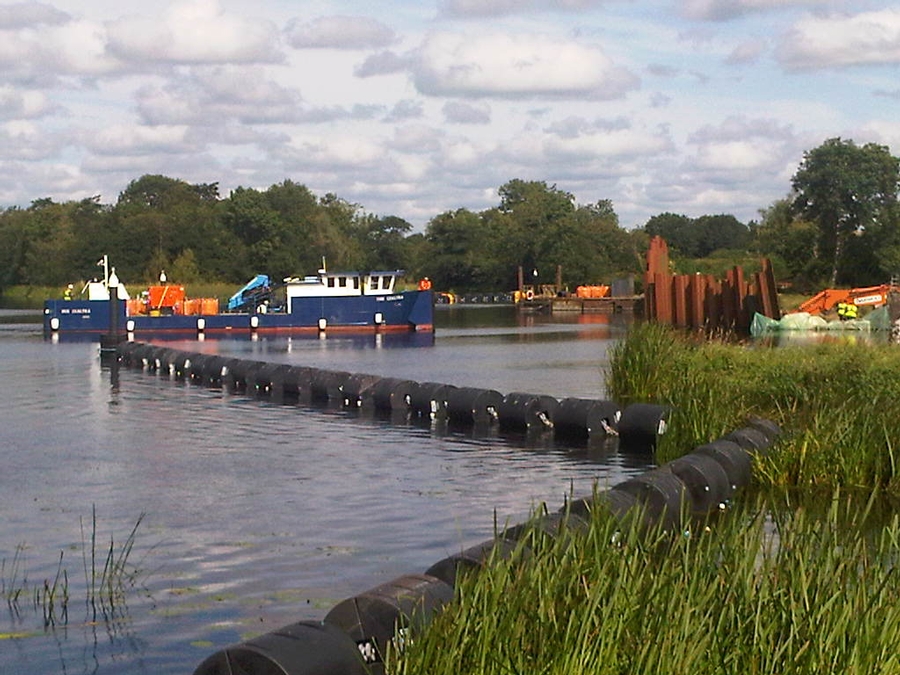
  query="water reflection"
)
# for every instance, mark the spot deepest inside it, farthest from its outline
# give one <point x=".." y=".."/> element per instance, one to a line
<point x="260" y="514"/>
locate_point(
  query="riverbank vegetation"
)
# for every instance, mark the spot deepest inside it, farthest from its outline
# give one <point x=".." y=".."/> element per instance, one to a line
<point x="797" y="575"/>
<point x="838" y="402"/>
<point x="771" y="588"/>
<point x="840" y="224"/>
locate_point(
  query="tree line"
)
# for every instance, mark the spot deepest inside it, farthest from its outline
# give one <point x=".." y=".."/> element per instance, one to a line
<point x="839" y="225"/>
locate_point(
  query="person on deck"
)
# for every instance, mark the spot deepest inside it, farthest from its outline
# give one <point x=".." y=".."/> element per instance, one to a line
<point x="69" y="292"/>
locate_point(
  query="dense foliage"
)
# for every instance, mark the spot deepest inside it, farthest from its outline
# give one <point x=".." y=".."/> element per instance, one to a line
<point x="160" y="223"/>
<point x="840" y="224"/>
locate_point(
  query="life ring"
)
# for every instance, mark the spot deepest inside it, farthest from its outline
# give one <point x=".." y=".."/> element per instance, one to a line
<point x="529" y="295"/>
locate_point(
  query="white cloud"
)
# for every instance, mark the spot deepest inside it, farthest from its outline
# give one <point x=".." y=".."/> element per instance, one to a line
<point x="48" y="52"/>
<point x="23" y="104"/>
<point x="25" y="140"/>
<point x="500" y="7"/>
<point x="210" y="96"/>
<point x="29" y="14"/>
<point x="194" y="31"/>
<point x="837" y="40"/>
<point x="340" y="32"/>
<point x="720" y="10"/>
<point x="746" y="52"/>
<point x="500" y="65"/>
<point x="130" y="140"/>
<point x="383" y="63"/>
<point x="459" y="112"/>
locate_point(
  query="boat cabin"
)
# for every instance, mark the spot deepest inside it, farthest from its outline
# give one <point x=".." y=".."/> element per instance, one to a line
<point x="341" y="284"/>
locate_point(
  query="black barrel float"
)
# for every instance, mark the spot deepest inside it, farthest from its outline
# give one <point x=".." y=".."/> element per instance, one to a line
<point x="138" y="356"/>
<point x="641" y="425"/>
<point x="168" y="361"/>
<point x="733" y="458"/>
<point x="325" y="386"/>
<point x="242" y="375"/>
<point x="584" y="418"/>
<point x="527" y="412"/>
<point x="663" y="495"/>
<point x="749" y="438"/>
<point x="619" y="504"/>
<point x="771" y="430"/>
<point x="391" y="394"/>
<point x="356" y="387"/>
<point x="429" y="399"/>
<point x="183" y="364"/>
<point x="471" y="405"/>
<point x="126" y="351"/>
<point x="304" y="648"/>
<point x="400" y="608"/>
<point x="264" y="379"/>
<point x="551" y="524"/>
<point x="212" y="369"/>
<point x="199" y="367"/>
<point x="294" y="382"/>
<point x="154" y="358"/>
<point x="473" y="558"/>
<point x="706" y="481"/>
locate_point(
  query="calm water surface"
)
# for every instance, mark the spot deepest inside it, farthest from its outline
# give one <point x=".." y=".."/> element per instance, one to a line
<point x="256" y="515"/>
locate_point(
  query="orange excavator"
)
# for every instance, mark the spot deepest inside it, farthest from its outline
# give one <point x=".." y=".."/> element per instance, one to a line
<point x="825" y="300"/>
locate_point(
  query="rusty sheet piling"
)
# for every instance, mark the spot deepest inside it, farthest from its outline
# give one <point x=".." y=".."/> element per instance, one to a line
<point x="701" y="301"/>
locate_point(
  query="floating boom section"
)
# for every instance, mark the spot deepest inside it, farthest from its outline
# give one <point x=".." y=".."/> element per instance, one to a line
<point x="254" y="290"/>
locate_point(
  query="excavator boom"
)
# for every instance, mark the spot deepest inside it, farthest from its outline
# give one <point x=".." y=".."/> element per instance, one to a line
<point x="827" y="299"/>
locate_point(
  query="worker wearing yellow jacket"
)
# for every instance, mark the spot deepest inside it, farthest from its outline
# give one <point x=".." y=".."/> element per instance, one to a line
<point x="847" y="311"/>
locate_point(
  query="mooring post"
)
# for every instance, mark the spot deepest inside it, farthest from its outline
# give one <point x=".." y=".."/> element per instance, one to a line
<point x="110" y="341"/>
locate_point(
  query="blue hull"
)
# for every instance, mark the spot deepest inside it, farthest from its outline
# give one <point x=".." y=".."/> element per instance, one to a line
<point x="409" y="310"/>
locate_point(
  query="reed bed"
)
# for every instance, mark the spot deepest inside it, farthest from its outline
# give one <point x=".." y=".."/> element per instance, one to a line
<point x="838" y="403"/>
<point x="800" y="591"/>
<point x="109" y="575"/>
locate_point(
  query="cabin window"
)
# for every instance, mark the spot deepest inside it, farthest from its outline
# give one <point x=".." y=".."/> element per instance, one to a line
<point x="330" y="282"/>
<point x="356" y="283"/>
<point x="373" y="283"/>
<point x="386" y="282"/>
<point x="342" y="282"/>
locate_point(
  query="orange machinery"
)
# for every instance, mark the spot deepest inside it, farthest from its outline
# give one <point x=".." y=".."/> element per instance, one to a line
<point x="825" y="300"/>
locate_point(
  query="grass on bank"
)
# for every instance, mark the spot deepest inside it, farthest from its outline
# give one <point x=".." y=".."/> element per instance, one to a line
<point x="797" y="577"/>
<point x="838" y="403"/>
<point x="805" y="592"/>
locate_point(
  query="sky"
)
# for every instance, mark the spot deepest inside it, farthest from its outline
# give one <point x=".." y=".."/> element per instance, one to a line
<point x="412" y="108"/>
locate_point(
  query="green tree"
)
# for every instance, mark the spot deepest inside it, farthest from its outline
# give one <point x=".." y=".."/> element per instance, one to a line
<point x="677" y="230"/>
<point x="721" y="231"/>
<point x="846" y="190"/>
<point x="790" y="243"/>
<point x="456" y="240"/>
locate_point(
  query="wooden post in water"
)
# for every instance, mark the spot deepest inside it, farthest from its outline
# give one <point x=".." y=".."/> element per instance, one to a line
<point x="894" y="314"/>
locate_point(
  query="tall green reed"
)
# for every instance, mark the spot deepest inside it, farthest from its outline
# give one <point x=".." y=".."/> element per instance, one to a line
<point x="806" y="590"/>
<point x="839" y="404"/>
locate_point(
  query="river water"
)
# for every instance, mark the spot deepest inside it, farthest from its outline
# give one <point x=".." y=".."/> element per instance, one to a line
<point x="249" y="515"/>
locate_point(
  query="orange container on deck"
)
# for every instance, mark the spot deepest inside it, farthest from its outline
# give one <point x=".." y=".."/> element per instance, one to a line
<point x="165" y="296"/>
<point x="192" y="306"/>
<point x="209" y="306"/>
<point x="134" y="306"/>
